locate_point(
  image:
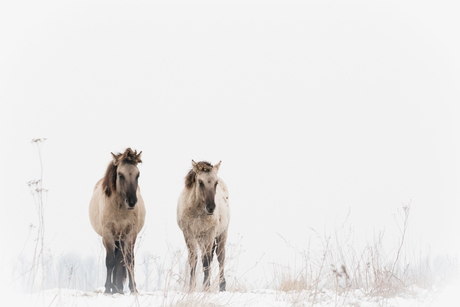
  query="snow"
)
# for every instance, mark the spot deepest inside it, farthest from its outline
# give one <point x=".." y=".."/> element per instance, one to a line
<point x="254" y="298"/>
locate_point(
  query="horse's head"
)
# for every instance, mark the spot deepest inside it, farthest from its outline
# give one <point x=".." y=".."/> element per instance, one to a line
<point x="124" y="176"/>
<point x="204" y="175"/>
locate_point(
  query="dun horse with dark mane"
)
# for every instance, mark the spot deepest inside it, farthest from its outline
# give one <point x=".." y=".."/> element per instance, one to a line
<point x="117" y="214"/>
<point x="203" y="215"/>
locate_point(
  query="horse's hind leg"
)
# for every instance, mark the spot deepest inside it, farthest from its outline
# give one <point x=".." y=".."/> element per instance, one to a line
<point x="220" y="251"/>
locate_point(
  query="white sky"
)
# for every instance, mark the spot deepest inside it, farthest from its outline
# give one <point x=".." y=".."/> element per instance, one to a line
<point x="316" y="108"/>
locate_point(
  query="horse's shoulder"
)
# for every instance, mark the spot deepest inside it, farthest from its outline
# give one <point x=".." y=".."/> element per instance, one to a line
<point x="98" y="184"/>
<point x="221" y="181"/>
<point x="184" y="197"/>
<point x="223" y="188"/>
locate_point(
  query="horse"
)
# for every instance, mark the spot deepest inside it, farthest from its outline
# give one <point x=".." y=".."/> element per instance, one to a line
<point x="117" y="214"/>
<point x="203" y="215"/>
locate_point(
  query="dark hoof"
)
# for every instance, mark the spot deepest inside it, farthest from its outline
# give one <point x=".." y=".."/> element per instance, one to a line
<point x="223" y="286"/>
<point x="109" y="292"/>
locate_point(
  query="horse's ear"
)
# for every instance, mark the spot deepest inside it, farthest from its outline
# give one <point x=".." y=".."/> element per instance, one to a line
<point x="114" y="159"/>
<point x="195" y="168"/>
<point x="138" y="157"/>
<point x="216" y="167"/>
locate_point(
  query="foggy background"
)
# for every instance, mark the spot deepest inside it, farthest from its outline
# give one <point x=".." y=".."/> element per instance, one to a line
<point x="317" y="109"/>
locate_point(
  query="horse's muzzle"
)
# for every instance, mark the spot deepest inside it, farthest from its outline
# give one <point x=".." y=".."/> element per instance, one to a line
<point x="130" y="204"/>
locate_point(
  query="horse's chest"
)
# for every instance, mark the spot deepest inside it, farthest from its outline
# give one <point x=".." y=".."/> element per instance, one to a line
<point x="122" y="229"/>
<point x="203" y="224"/>
<point x="121" y="226"/>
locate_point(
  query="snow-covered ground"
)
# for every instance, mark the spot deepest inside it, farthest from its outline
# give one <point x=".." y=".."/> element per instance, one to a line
<point x="65" y="297"/>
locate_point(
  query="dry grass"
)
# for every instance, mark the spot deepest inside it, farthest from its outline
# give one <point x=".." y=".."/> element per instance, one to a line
<point x="343" y="267"/>
<point x="36" y="272"/>
<point x="340" y="265"/>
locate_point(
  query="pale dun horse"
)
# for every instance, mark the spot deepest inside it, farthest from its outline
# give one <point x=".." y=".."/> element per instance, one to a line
<point x="203" y="215"/>
<point x="117" y="214"/>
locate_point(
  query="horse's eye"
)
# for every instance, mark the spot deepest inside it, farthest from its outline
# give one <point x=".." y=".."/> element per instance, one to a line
<point x="201" y="183"/>
<point x="121" y="176"/>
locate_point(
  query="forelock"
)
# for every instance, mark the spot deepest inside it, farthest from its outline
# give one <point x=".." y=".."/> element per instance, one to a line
<point x="130" y="156"/>
<point x="204" y="166"/>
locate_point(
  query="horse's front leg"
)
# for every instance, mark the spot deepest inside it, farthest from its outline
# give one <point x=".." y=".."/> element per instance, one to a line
<point x="109" y="244"/>
<point x="119" y="272"/>
<point x="220" y="251"/>
<point x="207" y="249"/>
<point x="192" y="259"/>
<point x="130" y="264"/>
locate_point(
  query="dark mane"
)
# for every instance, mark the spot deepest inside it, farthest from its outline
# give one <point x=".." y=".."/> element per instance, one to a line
<point x="109" y="182"/>
<point x="202" y="166"/>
